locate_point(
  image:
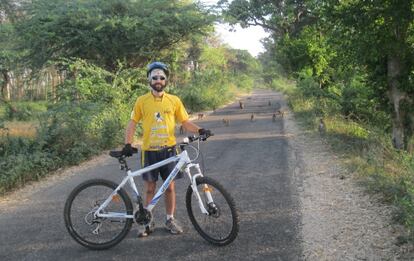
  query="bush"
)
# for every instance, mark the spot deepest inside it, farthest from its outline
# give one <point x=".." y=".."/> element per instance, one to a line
<point x="24" y="111"/>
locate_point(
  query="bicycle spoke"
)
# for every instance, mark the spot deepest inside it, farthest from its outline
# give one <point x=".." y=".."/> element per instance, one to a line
<point x="220" y="226"/>
<point x="89" y="230"/>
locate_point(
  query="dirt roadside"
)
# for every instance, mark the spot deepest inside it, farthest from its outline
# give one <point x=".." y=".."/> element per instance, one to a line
<point x="340" y="221"/>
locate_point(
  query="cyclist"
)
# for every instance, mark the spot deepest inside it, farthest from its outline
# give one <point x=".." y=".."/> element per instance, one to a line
<point x="158" y="112"/>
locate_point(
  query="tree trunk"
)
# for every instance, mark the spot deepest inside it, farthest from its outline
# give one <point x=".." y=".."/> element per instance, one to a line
<point x="410" y="139"/>
<point x="394" y="66"/>
<point x="5" y="88"/>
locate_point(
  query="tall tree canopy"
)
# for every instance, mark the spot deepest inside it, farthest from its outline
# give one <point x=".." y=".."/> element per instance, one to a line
<point x="379" y="36"/>
<point x="104" y="31"/>
<point x="338" y="41"/>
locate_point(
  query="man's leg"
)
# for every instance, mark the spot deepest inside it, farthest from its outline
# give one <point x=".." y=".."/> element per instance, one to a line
<point x="171" y="224"/>
<point x="170" y="199"/>
<point x="150" y="187"/>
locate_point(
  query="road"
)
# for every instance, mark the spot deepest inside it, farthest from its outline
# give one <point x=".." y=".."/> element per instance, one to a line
<point x="251" y="158"/>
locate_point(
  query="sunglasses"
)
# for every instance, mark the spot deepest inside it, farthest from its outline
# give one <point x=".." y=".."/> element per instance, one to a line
<point x="162" y="78"/>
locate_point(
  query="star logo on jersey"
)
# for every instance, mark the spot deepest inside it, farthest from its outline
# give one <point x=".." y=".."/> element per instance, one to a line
<point x="158" y="117"/>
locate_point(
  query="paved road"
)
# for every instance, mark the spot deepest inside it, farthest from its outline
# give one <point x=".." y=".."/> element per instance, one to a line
<point x="250" y="158"/>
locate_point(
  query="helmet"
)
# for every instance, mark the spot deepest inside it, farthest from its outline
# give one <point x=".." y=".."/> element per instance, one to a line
<point x="158" y="65"/>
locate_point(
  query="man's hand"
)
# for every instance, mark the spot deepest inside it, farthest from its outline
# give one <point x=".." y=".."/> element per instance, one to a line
<point x="128" y="150"/>
<point x="205" y="133"/>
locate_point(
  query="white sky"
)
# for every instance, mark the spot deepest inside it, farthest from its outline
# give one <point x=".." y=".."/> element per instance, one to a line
<point x="246" y="39"/>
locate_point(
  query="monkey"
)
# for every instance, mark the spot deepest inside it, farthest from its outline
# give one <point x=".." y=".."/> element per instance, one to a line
<point x="279" y="112"/>
<point x="241" y="104"/>
<point x="322" y="127"/>
<point x="226" y="122"/>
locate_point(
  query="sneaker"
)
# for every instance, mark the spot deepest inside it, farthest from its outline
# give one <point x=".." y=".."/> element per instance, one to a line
<point x="147" y="230"/>
<point x="172" y="226"/>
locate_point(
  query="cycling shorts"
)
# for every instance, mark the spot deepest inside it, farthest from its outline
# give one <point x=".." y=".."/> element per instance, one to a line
<point x="152" y="157"/>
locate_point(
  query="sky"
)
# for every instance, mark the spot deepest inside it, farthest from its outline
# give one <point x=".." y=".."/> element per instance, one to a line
<point x="246" y="39"/>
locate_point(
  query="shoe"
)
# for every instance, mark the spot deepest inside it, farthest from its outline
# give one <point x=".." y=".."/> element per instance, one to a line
<point x="147" y="230"/>
<point x="172" y="226"/>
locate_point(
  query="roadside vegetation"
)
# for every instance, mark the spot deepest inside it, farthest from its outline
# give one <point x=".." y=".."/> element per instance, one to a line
<point x="71" y="72"/>
<point x="364" y="148"/>
<point x="350" y="68"/>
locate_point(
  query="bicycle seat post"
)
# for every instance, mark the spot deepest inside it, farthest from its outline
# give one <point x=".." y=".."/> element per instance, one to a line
<point x="123" y="162"/>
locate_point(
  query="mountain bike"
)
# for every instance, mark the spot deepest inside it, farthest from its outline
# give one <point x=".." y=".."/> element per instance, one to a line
<point x="99" y="213"/>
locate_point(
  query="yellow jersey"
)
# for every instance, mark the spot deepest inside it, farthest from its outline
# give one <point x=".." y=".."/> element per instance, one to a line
<point x="158" y="115"/>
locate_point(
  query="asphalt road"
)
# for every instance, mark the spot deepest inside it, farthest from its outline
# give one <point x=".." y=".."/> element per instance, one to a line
<point x="251" y="158"/>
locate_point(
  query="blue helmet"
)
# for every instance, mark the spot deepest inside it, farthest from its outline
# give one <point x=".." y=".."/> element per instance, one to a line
<point x="158" y="65"/>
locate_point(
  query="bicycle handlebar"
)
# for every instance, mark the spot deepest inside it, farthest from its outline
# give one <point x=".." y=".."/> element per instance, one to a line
<point x="193" y="138"/>
<point x="187" y="140"/>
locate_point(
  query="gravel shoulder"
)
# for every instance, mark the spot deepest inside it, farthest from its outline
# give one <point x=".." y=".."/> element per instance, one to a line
<point x="340" y="221"/>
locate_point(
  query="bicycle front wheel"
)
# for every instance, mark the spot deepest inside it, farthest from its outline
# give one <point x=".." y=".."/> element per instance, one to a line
<point x="96" y="232"/>
<point x="219" y="227"/>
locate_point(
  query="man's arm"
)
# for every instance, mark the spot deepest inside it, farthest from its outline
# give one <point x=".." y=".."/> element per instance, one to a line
<point x="129" y="132"/>
<point x="189" y="126"/>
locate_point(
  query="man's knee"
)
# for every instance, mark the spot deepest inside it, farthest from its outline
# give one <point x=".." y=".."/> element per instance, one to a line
<point x="171" y="188"/>
<point x="150" y="187"/>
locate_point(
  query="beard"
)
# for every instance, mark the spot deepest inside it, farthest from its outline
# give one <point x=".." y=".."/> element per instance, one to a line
<point x="158" y="87"/>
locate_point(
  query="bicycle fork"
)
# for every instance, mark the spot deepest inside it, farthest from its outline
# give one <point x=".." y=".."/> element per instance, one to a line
<point x="206" y="189"/>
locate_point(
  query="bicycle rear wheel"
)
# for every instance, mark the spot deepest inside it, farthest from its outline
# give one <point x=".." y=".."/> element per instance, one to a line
<point x="94" y="232"/>
<point x="221" y="226"/>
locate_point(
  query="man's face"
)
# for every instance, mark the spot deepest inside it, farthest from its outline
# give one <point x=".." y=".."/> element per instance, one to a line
<point x="158" y="80"/>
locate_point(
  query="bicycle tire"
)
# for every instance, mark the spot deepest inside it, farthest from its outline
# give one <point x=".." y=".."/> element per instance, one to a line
<point x="225" y="205"/>
<point x="85" y="221"/>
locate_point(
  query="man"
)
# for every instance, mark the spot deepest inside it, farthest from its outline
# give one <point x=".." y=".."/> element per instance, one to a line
<point x="158" y="112"/>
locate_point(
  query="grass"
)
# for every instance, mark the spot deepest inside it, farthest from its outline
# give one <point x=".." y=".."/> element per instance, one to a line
<point x="25" y="110"/>
<point x="26" y="129"/>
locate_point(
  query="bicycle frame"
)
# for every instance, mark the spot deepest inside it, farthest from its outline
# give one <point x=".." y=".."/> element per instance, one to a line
<point x="183" y="160"/>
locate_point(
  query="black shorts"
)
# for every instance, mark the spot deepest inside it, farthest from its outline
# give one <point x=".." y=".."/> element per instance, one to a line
<point x="152" y="157"/>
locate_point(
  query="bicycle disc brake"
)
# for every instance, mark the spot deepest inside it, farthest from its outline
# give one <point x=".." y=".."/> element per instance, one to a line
<point x="213" y="210"/>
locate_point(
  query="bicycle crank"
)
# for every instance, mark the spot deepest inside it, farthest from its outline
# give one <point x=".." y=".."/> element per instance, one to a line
<point x="143" y="216"/>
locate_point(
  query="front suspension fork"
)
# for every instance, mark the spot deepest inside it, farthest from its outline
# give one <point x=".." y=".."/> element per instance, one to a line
<point x="206" y="189"/>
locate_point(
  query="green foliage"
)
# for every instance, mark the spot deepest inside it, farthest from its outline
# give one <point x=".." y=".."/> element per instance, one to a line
<point x="22" y="161"/>
<point x="89" y="115"/>
<point x="103" y="32"/>
<point x="353" y="63"/>
<point x="22" y="111"/>
<point x="365" y="148"/>
<point x="96" y="45"/>
<point x="65" y="131"/>
<point x="220" y="72"/>
<point x="207" y="91"/>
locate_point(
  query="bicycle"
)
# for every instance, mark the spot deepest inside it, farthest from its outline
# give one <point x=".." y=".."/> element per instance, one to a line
<point x="100" y="220"/>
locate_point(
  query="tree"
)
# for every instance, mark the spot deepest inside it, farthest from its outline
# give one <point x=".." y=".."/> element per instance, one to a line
<point x="371" y="38"/>
<point x="378" y="35"/>
<point x="280" y="17"/>
<point x="105" y="31"/>
<point x="8" y="52"/>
